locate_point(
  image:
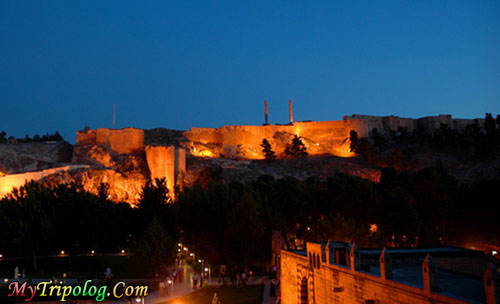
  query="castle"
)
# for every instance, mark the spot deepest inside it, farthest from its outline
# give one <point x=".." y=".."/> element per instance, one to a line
<point x="167" y="159"/>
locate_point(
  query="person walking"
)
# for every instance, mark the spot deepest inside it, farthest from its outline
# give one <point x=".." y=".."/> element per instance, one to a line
<point x="195" y="281"/>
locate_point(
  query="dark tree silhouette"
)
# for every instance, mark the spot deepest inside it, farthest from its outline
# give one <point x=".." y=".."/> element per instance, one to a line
<point x="297" y="148"/>
<point x="267" y="150"/>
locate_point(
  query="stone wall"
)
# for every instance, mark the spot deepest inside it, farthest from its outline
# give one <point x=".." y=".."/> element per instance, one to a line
<point x="324" y="137"/>
<point x="11" y="181"/>
<point x="321" y="137"/>
<point x="119" y="141"/>
<point x="428" y="124"/>
<point x="337" y="284"/>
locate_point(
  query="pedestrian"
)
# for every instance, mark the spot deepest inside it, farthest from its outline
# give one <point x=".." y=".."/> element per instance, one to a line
<point x="244" y="279"/>
<point x="195" y="281"/>
<point x="161" y="288"/>
<point x="238" y="279"/>
<point x="272" y="290"/>
<point x="202" y="276"/>
<point x="16" y="273"/>
<point x="174" y="274"/>
<point x="108" y="275"/>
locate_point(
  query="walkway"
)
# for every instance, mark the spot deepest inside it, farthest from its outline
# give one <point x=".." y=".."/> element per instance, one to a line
<point x="180" y="289"/>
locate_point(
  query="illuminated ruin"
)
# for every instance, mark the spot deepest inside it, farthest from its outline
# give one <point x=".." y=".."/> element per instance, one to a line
<point x="121" y="158"/>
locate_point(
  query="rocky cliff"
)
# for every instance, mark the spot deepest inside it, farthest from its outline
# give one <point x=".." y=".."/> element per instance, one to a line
<point x="34" y="156"/>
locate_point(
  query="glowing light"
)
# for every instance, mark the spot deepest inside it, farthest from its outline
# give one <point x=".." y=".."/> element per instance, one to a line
<point x="123" y="251"/>
<point x="494" y="252"/>
<point x="62" y="252"/>
<point x="185" y="249"/>
<point x="191" y="254"/>
<point x="1" y="256"/>
<point x="308" y="228"/>
<point x="203" y="153"/>
<point x="6" y="281"/>
<point x="92" y="252"/>
<point x="2" y="174"/>
<point x="180" y="245"/>
<point x="199" y="261"/>
<point x="206" y="269"/>
<point x="138" y="300"/>
<point x="373" y="228"/>
<point x="169" y="282"/>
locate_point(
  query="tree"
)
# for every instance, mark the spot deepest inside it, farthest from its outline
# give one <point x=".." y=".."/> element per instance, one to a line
<point x="269" y="154"/>
<point x="155" y="201"/>
<point x="297" y="148"/>
<point x="156" y="246"/>
<point x="353" y="138"/>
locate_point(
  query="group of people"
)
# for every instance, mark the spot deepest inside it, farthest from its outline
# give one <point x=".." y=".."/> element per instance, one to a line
<point x="176" y="276"/>
<point x="238" y="278"/>
<point x="198" y="280"/>
<point x="18" y="275"/>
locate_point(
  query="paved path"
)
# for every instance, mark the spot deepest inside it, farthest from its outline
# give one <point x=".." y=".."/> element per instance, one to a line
<point x="186" y="286"/>
<point x="179" y="289"/>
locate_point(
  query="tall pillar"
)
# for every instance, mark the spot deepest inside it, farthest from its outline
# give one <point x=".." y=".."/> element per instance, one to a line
<point x="429" y="274"/>
<point x="265" y="106"/>
<point x="291" y="111"/>
<point x="385" y="265"/>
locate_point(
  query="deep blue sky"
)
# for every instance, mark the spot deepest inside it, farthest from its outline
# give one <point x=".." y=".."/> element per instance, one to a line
<point x="177" y="64"/>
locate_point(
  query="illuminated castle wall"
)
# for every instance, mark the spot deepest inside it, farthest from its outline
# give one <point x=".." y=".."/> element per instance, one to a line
<point x="321" y="137"/>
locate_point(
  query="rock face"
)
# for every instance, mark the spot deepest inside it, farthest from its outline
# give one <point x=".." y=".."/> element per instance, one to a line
<point x="123" y="186"/>
<point x="228" y="170"/>
<point x="23" y="157"/>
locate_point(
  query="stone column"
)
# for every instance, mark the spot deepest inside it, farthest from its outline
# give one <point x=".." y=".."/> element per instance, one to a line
<point x="291" y="111"/>
<point x="385" y="265"/>
<point x="429" y="273"/>
<point x="491" y="285"/>
<point x="355" y="261"/>
<point x="265" y="107"/>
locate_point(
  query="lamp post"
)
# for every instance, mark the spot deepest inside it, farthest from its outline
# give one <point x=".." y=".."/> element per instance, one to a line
<point x="208" y="269"/>
<point x="171" y="282"/>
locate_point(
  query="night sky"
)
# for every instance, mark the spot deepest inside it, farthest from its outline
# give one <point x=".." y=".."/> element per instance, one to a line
<point x="179" y="64"/>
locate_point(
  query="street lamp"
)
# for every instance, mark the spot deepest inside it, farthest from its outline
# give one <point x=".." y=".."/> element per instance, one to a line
<point x="208" y="269"/>
<point x="170" y="282"/>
